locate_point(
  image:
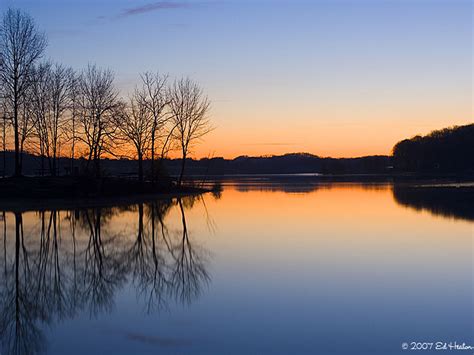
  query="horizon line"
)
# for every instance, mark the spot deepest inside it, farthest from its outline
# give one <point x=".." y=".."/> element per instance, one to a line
<point x="221" y="157"/>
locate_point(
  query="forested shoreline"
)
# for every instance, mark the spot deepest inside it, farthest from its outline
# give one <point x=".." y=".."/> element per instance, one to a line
<point x="448" y="150"/>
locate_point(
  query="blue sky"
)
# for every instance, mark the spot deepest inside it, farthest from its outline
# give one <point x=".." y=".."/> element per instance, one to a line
<point x="333" y="77"/>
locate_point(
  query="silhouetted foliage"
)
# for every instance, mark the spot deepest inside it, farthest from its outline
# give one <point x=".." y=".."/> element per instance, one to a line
<point x="445" y="150"/>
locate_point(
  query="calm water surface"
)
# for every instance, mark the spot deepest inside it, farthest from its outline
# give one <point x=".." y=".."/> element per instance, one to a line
<point x="260" y="268"/>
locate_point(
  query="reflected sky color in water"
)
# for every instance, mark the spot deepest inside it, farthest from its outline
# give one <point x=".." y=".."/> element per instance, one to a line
<point x="343" y="268"/>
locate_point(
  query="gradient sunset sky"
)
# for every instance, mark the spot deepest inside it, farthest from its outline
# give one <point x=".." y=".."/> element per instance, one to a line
<point x="328" y="77"/>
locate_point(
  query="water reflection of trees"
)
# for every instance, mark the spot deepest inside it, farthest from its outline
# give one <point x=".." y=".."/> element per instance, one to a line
<point x="302" y="185"/>
<point x="60" y="263"/>
<point x="448" y="201"/>
<point x="19" y="307"/>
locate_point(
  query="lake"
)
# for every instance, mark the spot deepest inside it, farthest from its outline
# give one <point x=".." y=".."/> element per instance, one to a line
<point x="261" y="267"/>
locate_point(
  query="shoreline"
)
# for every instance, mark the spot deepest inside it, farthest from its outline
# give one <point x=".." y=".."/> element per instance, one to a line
<point x="64" y="192"/>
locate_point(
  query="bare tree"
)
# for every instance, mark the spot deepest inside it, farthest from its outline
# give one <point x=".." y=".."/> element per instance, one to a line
<point x="135" y="124"/>
<point x="4" y="135"/>
<point x="60" y="85"/>
<point x="97" y="103"/>
<point x="4" y="144"/>
<point x="74" y="108"/>
<point x="40" y="102"/>
<point x="50" y="101"/>
<point x="26" y="129"/>
<point x="153" y="96"/>
<point x="189" y="107"/>
<point x="21" y="45"/>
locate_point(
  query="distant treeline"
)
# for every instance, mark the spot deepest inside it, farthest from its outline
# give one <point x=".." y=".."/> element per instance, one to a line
<point x="297" y="163"/>
<point x="449" y="150"/>
<point x="284" y="164"/>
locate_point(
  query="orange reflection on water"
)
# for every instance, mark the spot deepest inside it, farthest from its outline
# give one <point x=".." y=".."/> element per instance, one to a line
<point x="339" y="225"/>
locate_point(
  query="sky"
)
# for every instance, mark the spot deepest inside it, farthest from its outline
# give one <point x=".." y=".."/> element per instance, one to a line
<point x="328" y="77"/>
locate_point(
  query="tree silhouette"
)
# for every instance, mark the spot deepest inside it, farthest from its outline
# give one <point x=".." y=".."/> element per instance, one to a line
<point x="135" y="124"/>
<point x="21" y="45"/>
<point x="152" y="94"/>
<point x="97" y="104"/>
<point x="50" y="99"/>
<point x="446" y="150"/>
<point x="189" y="108"/>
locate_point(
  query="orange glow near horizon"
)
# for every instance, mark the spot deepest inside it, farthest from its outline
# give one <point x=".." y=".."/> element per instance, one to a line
<point x="324" y="130"/>
<point x="327" y="128"/>
<point x="348" y="139"/>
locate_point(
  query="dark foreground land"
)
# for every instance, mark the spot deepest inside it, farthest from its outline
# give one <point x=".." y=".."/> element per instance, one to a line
<point x="25" y="193"/>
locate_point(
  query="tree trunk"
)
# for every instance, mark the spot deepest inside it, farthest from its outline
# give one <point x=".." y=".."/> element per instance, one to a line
<point x="183" y="163"/>
<point x="17" y="141"/>
<point x="73" y="142"/>
<point x="153" y="156"/>
<point x="88" y="162"/>
<point x="4" y="146"/>
<point x="140" y="168"/>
